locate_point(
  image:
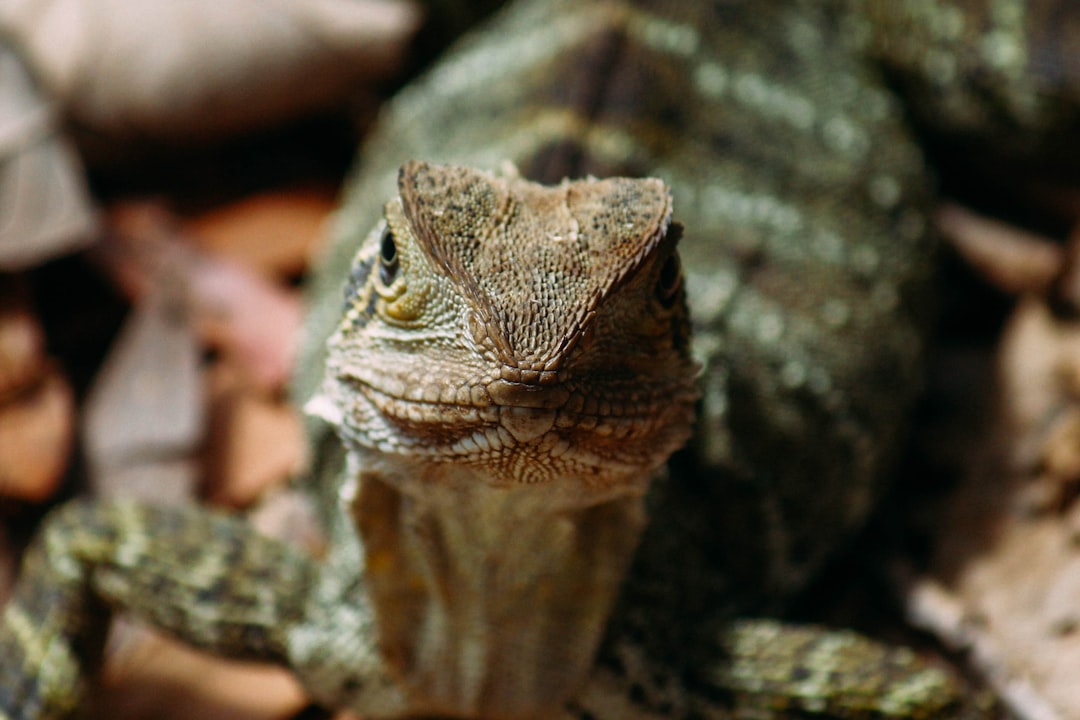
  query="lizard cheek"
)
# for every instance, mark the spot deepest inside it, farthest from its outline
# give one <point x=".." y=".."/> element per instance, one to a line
<point x="405" y="306"/>
<point x="401" y="309"/>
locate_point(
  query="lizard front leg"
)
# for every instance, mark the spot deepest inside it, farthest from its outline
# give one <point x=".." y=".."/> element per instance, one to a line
<point x="206" y="578"/>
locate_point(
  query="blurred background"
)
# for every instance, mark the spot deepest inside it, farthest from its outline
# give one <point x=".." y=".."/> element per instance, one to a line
<point x="166" y="173"/>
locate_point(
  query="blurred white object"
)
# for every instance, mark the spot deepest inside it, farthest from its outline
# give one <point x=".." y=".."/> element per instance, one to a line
<point x="163" y="68"/>
<point x="44" y="209"/>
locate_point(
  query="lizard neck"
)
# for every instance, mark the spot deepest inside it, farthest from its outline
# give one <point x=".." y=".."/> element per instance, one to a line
<point x="491" y="599"/>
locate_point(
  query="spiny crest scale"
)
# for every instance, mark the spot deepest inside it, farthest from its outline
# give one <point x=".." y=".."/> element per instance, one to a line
<point x="536" y="261"/>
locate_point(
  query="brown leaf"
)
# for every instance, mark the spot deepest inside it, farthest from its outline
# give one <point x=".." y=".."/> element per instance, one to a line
<point x="36" y="432"/>
<point x="44" y="207"/>
<point x="273" y="233"/>
<point x="255" y="320"/>
<point x="232" y="307"/>
<point x="1005" y="579"/>
<point x="155" y="678"/>
<point x="146" y="405"/>
<point x="205" y="67"/>
<point x="255" y="442"/>
<point x="22" y="344"/>
<point x="1015" y="260"/>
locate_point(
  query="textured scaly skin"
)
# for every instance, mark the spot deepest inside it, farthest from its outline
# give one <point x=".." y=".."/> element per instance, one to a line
<point x="510" y="371"/>
<point x="508" y="381"/>
<point x="804" y="200"/>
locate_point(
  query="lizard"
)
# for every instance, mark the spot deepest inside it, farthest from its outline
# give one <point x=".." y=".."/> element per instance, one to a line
<point x="808" y="265"/>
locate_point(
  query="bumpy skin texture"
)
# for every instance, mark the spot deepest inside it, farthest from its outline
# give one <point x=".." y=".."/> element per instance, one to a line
<point x="988" y="78"/>
<point x="808" y="264"/>
<point x="510" y="370"/>
<point x="803" y="199"/>
<point x="95" y="555"/>
<point x="510" y="375"/>
<point x="808" y="269"/>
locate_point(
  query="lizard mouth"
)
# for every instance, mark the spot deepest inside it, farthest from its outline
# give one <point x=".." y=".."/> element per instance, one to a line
<point x="604" y="430"/>
<point x="507" y="393"/>
<point x="528" y="408"/>
<point x="542" y="416"/>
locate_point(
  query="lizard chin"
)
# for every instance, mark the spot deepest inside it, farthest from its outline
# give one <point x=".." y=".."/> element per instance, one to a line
<point x="526" y="424"/>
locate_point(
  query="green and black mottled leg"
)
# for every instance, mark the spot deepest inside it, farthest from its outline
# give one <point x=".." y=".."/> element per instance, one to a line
<point x="769" y="670"/>
<point x="206" y="578"/>
<point x="778" y="670"/>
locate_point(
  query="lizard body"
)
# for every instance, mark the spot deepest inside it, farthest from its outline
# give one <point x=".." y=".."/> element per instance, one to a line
<point x="808" y="267"/>
<point x="804" y="200"/>
<point x="501" y="478"/>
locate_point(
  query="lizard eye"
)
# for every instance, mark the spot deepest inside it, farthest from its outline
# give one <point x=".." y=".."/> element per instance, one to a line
<point x="388" y="258"/>
<point x="670" y="280"/>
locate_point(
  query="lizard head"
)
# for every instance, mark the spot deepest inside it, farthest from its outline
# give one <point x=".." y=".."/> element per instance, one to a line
<point x="539" y="332"/>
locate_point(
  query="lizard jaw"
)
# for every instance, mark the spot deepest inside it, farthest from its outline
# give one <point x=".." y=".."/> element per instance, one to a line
<point x="569" y="437"/>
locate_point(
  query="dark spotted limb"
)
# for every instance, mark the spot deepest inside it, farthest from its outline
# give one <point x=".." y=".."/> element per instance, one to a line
<point x="208" y="579"/>
<point x="780" y="670"/>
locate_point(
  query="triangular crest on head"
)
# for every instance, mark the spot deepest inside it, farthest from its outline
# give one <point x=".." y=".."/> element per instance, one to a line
<point x="536" y="260"/>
